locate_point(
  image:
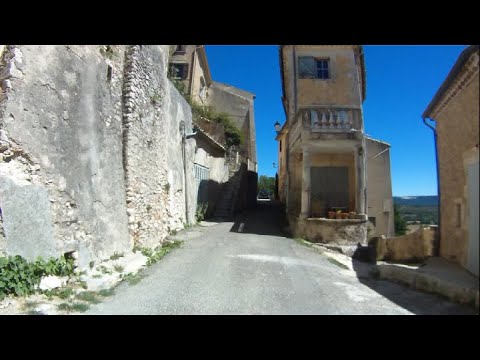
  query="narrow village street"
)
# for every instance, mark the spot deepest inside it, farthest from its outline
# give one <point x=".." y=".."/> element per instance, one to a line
<point x="250" y="267"/>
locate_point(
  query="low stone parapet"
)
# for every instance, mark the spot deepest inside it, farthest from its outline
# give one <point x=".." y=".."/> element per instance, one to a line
<point x="415" y="246"/>
<point x="330" y="231"/>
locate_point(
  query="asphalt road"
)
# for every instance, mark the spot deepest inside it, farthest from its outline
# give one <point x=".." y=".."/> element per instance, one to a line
<point x="219" y="270"/>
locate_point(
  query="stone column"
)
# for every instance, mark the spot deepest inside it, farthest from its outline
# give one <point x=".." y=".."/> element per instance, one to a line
<point x="305" y="209"/>
<point x="360" y="168"/>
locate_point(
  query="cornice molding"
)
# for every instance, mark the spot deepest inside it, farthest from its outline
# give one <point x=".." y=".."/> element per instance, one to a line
<point x="468" y="73"/>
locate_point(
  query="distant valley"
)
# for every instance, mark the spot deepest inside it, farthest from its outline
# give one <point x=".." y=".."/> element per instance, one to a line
<point x="422" y="209"/>
<point x="416" y="200"/>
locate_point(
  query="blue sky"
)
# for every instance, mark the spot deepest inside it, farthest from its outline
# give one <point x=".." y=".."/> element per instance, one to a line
<point x="401" y="81"/>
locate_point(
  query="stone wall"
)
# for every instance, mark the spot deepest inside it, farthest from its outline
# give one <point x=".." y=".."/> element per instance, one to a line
<point x="89" y="134"/>
<point x="342" y="88"/>
<point x="379" y="188"/>
<point x="239" y="105"/>
<point x="155" y="117"/>
<point x="327" y="231"/>
<point x="414" y="246"/>
<point x="457" y="133"/>
<point x="61" y="178"/>
<point x="215" y="130"/>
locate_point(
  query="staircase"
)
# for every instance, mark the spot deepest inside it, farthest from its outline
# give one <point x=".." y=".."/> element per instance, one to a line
<point x="226" y="205"/>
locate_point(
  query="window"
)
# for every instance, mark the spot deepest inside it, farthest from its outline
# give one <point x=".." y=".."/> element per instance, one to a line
<point x="312" y="68"/>
<point x="280" y="145"/>
<point x="109" y="73"/>
<point x="322" y="69"/>
<point x="180" y="48"/>
<point x="179" y="71"/>
<point x="458" y="208"/>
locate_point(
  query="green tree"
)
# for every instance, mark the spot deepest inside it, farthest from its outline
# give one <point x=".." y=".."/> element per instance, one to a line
<point x="266" y="183"/>
<point x="399" y="221"/>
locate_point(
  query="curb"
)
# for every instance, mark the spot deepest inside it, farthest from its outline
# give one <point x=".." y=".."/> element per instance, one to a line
<point x="428" y="283"/>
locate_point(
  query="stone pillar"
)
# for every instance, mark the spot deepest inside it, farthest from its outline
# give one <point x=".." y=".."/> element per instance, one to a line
<point x="360" y="168"/>
<point x="305" y="209"/>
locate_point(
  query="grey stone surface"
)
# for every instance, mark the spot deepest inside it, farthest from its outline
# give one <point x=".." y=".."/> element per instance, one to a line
<point x="238" y="103"/>
<point x="66" y="113"/>
<point x="101" y="136"/>
<point x="259" y="271"/>
<point x="156" y="191"/>
<point x="52" y="282"/>
<point x="438" y="276"/>
<point x="26" y="219"/>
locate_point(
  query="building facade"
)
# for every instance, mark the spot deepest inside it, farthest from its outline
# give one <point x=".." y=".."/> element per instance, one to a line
<point x="455" y="110"/>
<point x="189" y="65"/>
<point x="322" y="145"/>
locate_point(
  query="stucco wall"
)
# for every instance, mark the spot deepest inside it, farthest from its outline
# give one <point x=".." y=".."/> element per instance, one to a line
<point x="457" y="133"/>
<point x="282" y="167"/>
<point x="415" y="246"/>
<point x="316" y="159"/>
<point x="379" y="188"/>
<point x="343" y="87"/>
<point x="197" y="75"/>
<point x="65" y="118"/>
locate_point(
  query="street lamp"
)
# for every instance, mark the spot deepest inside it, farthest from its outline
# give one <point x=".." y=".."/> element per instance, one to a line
<point x="277" y="127"/>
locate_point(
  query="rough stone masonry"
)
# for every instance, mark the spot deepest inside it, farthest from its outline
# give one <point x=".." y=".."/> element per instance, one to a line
<point x="91" y="150"/>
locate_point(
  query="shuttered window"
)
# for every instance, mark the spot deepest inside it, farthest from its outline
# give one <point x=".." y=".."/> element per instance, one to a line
<point x="312" y="68"/>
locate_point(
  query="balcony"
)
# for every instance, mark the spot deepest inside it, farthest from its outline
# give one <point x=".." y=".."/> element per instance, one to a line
<point x="331" y="119"/>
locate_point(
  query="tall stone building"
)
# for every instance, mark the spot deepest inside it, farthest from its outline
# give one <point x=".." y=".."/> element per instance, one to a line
<point x="455" y="110"/>
<point x="324" y="155"/>
<point x="237" y="190"/>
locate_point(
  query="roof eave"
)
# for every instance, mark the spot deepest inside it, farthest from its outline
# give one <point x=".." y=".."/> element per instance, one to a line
<point x="454" y="72"/>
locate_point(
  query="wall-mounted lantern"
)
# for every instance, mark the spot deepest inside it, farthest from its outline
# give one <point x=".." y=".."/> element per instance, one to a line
<point x="277" y="127"/>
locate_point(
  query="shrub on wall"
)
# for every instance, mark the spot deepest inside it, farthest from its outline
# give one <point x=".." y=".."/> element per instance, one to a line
<point x="233" y="135"/>
<point x="19" y="277"/>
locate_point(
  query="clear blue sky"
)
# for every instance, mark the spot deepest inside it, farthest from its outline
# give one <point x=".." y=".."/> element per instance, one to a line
<point x="401" y="81"/>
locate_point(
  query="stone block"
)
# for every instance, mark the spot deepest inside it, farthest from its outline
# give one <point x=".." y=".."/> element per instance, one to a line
<point x="27" y="219"/>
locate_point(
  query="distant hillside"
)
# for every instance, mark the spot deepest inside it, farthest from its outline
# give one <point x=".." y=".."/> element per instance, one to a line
<point x="416" y="200"/>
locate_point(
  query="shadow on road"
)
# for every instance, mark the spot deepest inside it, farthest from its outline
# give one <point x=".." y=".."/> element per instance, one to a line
<point x="415" y="301"/>
<point x="267" y="218"/>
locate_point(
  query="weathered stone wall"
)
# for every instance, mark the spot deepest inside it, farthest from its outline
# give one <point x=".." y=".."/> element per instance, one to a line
<point x="342" y="88"/>
<point x="379" y="188"/>
<point x="87" y="135"/>
<point x="215" y="130"/>
<point x="239" y="105"/>
<point x="414" y="246"/>
<point x="155" y="115"/>
<point x="457" y="133"/>
<point x="61" y="178"/>
<point x="326" y="231"/>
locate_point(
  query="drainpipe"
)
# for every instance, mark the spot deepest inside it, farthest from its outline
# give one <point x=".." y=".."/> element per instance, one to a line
<point x="436" y="251"/>
<point x="287" y="142"/>
<point x="185" y="136"/>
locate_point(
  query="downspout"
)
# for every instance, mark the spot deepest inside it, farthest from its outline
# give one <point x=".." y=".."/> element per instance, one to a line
<point x="436" y="251"/>
<point x="287" y="137"/>
<point x="184" y="158"/>
<point x="192" y="70"/>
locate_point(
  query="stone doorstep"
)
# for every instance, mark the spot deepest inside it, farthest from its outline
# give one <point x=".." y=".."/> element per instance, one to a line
<point x="410" y="276"/>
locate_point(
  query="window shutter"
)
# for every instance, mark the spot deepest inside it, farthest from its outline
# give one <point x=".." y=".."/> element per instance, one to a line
<point x="185" y="71"/>
<point x="306" y="67"/>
